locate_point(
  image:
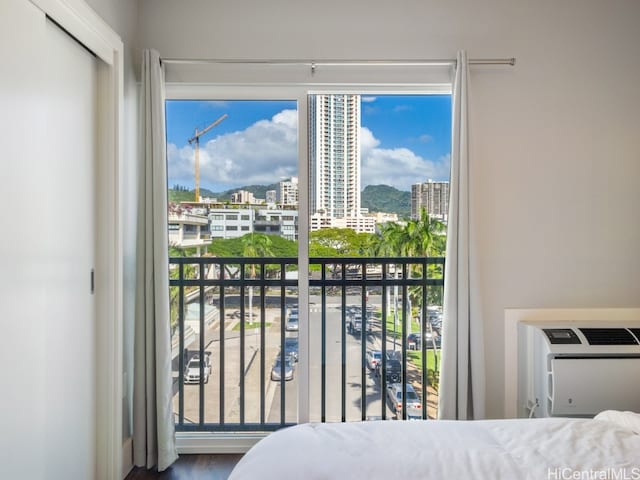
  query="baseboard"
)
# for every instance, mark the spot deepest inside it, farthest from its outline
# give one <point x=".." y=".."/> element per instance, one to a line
<point x="204" y="442"/>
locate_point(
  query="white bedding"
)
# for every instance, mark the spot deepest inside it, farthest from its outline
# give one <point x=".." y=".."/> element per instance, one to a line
<point x="537" y="449"/>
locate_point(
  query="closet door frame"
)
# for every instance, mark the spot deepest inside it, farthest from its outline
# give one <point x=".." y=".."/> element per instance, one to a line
<point x="81" y="22"/>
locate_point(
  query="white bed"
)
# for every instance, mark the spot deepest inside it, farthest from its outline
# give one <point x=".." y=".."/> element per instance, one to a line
<point x="537" y="449"/>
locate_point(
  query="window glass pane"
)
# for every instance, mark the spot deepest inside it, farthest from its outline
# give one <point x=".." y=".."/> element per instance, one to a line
<point x="232" y="173"/>
<point x="376" y="161"/>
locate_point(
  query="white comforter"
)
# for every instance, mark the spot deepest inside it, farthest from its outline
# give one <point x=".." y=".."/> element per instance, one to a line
<point x="538" y="449"/>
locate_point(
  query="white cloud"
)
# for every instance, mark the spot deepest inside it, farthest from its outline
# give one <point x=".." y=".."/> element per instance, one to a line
<point x="402" y="108"/>
<point x="367" y="140"/>
<point x="368" y="99"/>
<point x="267" y="151"/>
<point x="263" y="153"/>
<point x="398" y="167"/>
<point x="425" y="138"/>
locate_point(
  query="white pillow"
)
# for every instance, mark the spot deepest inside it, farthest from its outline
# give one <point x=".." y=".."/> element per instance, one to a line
<point x="627" y="420"/>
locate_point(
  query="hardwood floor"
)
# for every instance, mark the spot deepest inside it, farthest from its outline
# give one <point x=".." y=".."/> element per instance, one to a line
<point x="191" y="467"/>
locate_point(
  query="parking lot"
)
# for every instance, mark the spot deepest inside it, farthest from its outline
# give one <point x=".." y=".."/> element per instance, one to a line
<point x="258" y="362"/>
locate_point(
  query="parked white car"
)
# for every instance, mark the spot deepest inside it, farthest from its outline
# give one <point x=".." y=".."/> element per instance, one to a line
<point x="394" y="395"/>
<point x="292" y="323"/>
<point x="374" y="357"/>
<point x="192" y="370"/>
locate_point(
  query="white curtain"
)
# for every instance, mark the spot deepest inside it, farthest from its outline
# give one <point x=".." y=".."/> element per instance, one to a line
<point x="461" y="392"/>
<point x="153" y="422"/>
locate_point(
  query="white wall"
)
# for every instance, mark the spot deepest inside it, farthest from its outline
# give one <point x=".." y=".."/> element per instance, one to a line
<point x="555" y="140"/>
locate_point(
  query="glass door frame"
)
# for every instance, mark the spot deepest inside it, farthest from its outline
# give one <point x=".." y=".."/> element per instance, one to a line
<point x="300" y="92"/>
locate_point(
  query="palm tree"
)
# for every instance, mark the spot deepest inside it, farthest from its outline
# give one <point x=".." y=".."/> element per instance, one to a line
<point x="425" y="238"/>
<point x="422" y="234"/>
<point x="255" y="245"/>
<point x="421" y="237"/>
<point x="392" y="243"/>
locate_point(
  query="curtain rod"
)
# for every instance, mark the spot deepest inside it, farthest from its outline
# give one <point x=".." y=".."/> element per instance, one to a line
<point x="315" y="63"/>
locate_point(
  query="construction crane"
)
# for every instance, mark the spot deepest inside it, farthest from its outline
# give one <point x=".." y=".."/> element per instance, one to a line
<point x="196" y="139"/>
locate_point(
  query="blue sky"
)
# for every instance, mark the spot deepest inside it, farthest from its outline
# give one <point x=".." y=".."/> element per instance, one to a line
<point x="404" y="140"/>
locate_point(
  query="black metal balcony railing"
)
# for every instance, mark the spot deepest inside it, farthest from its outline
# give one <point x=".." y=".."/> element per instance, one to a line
<point x="212" y="297"/>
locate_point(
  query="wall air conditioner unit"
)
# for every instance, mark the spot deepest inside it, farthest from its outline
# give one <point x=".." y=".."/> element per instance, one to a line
<point x="578" y="369"/>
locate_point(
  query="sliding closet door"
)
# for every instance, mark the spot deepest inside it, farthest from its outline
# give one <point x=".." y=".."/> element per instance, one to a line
<point x="22" y="340"/>
<point x="47" y="248"/>
<point x="68" y="237"/>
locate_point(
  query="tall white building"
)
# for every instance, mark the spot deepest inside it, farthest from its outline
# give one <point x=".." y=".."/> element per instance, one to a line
<point x="335" y="155"/>
<point x="242" y="196"/>
<point x="433" y="197"/>
<point x="288" y="192"/>
<point x="271" y="196"/>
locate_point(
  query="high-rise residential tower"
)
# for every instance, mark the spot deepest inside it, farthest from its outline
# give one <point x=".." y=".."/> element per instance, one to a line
<point x="287" y="193"/>
<point x="334" y="145"/>
<point x="433" y="197"/>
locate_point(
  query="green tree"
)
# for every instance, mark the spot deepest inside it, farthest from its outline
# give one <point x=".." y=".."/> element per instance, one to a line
<point x="392" y="240"/>
<point x="234" y="247"/>
<point x="421" y="237"/>
<point x="391" y="244"/>
<point x="255" y="245"/>
<point x="188" y="272"/>
<point x="340" y="242"/>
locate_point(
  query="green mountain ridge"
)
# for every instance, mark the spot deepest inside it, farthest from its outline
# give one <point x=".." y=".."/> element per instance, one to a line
<point x="384" y="198"/>
<point x="181" y="194"/>
<point x="377" y="198"/>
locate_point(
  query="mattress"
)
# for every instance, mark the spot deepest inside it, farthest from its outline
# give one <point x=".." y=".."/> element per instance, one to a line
<point x="536" y="449"/>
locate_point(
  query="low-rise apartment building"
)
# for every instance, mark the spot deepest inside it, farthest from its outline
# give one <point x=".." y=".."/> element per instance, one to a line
<point x="188" y="230"/>
<point x="231" y="222"/>
<point x="360" y="224"/>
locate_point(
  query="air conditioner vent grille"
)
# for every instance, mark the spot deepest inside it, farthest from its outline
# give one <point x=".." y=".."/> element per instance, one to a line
<point x="608" y="336"/>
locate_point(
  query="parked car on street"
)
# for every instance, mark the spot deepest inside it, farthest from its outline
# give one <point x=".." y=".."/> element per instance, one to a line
<point x="394" y="395"/>
<point x="413" y="341"/>
<point x="393" y="371"/>
<point x="292" y="323"/>
<point x="280" y="369"/>
<point x="374" y="357"/>
<point x="431" y="339"/>
<point x="291" y="348"/>
<point x="394" y="355"/>
<point x="434" y="317"/>
<point x="192" y="369"/>
<point x="354" y="325"/>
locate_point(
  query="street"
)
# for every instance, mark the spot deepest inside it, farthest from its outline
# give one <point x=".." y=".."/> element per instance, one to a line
<point x="253" y="367"/>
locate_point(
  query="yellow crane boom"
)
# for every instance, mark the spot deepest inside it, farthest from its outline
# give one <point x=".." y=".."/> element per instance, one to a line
<point x="196" y="139"/>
